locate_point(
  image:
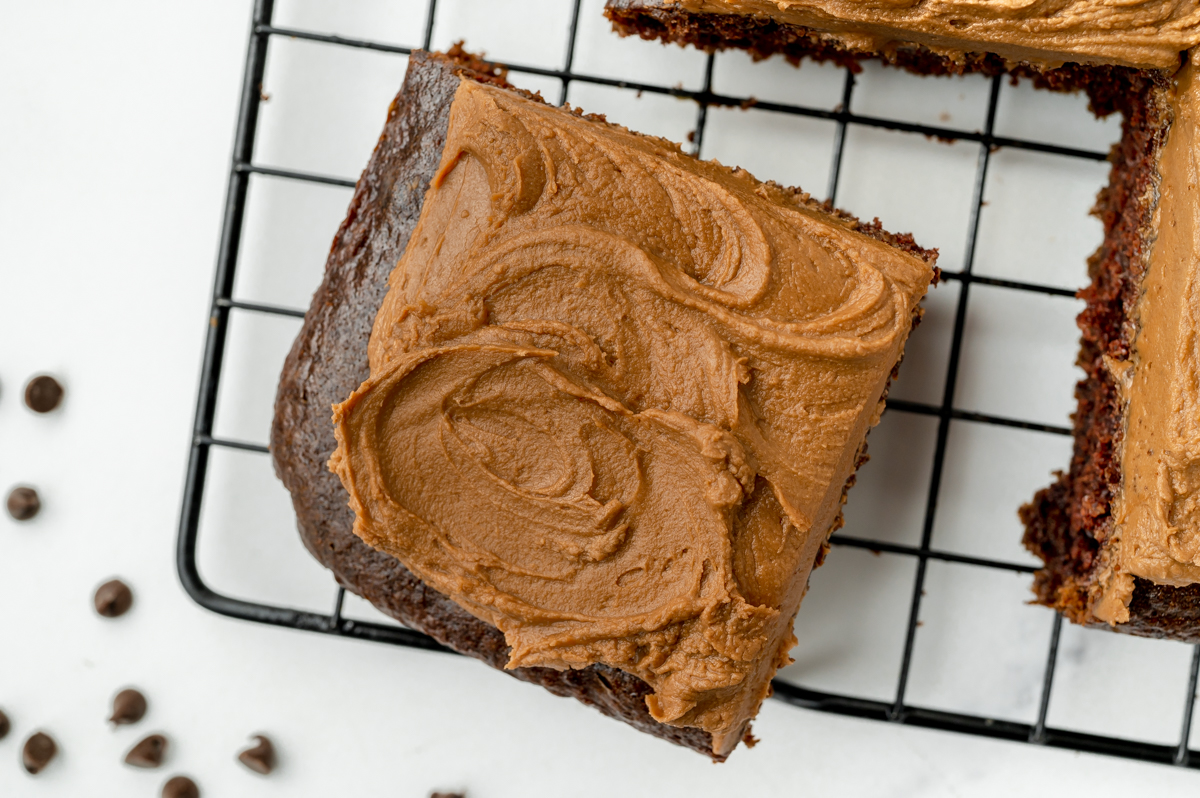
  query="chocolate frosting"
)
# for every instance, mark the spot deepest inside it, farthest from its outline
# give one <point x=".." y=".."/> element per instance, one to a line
<point x="1157" y="513"/>
<point x="615" y="396"/>
<point x="1148" y="34"/>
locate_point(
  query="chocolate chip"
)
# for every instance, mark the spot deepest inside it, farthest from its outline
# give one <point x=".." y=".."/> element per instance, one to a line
<point x="447" y="795"/>
<point x="148" y="753"/>
<point x="38" y="751"/>
<point x="113" y="598"/>
<point x="4" y="725"/>
<point x="129" y="706"/>
<point x="180" y="787"/>
<point x="42" y="394"/>
<point x="259" y="758"/>
<point x="23" y="503"/>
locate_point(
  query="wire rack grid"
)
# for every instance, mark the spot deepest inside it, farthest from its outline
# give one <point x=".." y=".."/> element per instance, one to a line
<point x="897" y="710"/>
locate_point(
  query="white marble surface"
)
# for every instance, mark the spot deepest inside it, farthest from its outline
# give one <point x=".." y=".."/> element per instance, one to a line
<point x="116" y="124"/>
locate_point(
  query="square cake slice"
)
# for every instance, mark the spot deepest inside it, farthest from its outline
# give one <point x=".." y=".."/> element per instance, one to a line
<point x="598" y="402"/>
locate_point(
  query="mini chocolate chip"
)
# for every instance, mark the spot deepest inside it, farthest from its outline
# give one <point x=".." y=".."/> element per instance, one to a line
<point x="129" y="706"/>
<point x="113" y="598"/>
<point x="38" y="751"/>
<point x="42" y="394"/>
<point x="148" y="753"/>
<point x="259" y="758"/>
<point x="4" y="725"/>
<point x="180" y="787"/>
<point x="23" y="503"/>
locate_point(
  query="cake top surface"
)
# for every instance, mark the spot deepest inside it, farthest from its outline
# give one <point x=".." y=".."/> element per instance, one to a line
<point x="615" y="395"/>
<point x="1147" y="34"/>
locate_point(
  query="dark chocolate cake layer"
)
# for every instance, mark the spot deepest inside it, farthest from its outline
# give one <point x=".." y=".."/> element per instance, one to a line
<point x="328" y="361"/>
<point x="1068" y="522"/>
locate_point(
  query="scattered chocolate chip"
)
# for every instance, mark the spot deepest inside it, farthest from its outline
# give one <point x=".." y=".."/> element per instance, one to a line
<point x="180" y="787"/>
<point x="261" y="757"/>
<point x="113" y="598"/>
<point x="129" y="706"/>
<point x="23" y="503"/>
<point x="38" y="751"/>
<point x="4" y="725"/>
<point x="148" y="753"/>
<point x="42" y="394"/>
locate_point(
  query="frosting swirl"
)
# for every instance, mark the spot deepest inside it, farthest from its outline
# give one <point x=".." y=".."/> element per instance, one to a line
<point x="615" y="394"/>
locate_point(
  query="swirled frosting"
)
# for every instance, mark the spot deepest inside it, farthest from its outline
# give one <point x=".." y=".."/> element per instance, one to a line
<point x="1148" y="34"/>
<point x="615" y="395"/>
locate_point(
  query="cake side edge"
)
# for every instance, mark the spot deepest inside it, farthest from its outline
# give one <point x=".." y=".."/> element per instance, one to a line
<point x="762" y="38"/>
<point x="1069" y="522"/>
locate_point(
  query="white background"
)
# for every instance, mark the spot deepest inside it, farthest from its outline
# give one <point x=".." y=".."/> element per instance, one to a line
<point x="116" y="124"/>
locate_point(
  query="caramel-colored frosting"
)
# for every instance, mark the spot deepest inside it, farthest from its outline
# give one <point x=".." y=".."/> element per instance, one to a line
<point x="615" y="395"/>
<point x="1149" y="34"/>
<point x="1157" y="512"/>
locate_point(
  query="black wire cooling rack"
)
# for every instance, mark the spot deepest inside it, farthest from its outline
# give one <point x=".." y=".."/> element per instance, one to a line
<point x="896" y="710"/>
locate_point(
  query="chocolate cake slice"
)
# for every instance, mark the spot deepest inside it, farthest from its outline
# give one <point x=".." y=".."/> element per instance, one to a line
<point x="596" y="404"/>
<point x="1117" y="531"/>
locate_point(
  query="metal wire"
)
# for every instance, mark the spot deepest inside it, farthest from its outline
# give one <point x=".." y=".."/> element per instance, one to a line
<point x="897" y="710"/>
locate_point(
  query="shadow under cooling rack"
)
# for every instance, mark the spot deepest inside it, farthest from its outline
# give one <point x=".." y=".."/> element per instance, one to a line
<point x="897" y="710"/>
